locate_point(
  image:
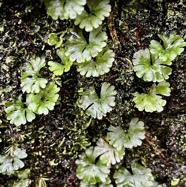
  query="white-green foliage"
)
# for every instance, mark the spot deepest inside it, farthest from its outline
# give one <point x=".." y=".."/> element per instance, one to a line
<point x="93" y="167"/>
<point x="140" y="177"/>
<point x="59" y="68"/>
<point x="98" y="66"/>
<point x="172" y="47"/>
<point x="18" y="113"/>
<point x="150" y="68"/>
<point x="153" y="64"/>
<point x="163" y="88"/>
<point x="87" y="49"/>
<point x="22" y="183"/>
<point x="43" y="101"/>
<point x="12" y="162"/>
<point x="91" y="171"/>
<point x="31" y="80"/>
<point x="108" y="152"/>
<point x="81" y="49"/>
<point x="41" y="182"/>
<point x="64" y="9"/>
<point x="40" y="98"/>
<point x="92" y="19"/>
<point x="53" y="39"/>
<point x="153" y="100"/>
<point x="23" y="179"/>
<point x="119" y="138"/>
<point x="97" y="106"/>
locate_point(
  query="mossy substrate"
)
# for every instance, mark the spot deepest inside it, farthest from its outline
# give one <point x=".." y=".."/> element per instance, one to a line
<point x="62" y="135"/>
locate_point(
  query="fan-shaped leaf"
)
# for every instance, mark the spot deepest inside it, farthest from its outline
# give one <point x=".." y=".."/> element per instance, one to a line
<point x="92" y="19"/>
<point x="20" y="153"/>
<point x="152" y="102"/>
<point x="44" y="101"/>
<point x="22" y="183"/>
<point x="140" y="177"/>
<point x="58" y="68"/>
<point x="132" y="138"/>
<point x="31" y="82"/>
<point x="10" y="163"/>
<point x="64" y="9"/>
<point x="172" y="47"/>
<point x="6" y="166"/>
<point x="95" y="106"/>
<point x="100" y="184"/>
<point x="99" y="66"/>
<point x="53" y="39"/>
<point x="17" y="113"/>
<point x="81" y="49"/>
<point x="149" y="102"/>
<point x="163" y="88"/>
<point x="91" y="171"/>
<point x="146" y="69"/>
<point x="108" y="152"/>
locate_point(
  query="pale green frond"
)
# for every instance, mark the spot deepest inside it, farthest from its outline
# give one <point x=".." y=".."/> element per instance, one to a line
<point x="98" y="10"/>
<point x="98" y="66"/>
<point x="17" y="112"/>
<point x="120" y="139"/>
<point x="43" y="101"/>
<point x="91" y="171"/>
<point x="108" y="152"/>
<point x="138" y="177"/>
<point x="64" y="9"/>
<point x="80" y="49"/>
<point x="95" y="106"/>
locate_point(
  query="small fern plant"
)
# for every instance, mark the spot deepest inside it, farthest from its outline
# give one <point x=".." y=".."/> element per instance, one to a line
<point x="58" y="68"/>
<point x="12" y="160"/>
<point x="41" y="95"/>
<point x="94" y="166"/>
<point x="44" y="101"/>
<point x="18" y="113"/>
<point x="23" y="179"/>
<point x="86" y="49"/>
<point x="96" y="106"/>
<point x="88" y="14"/>
<point x="100" y="65"/>
<point x="153" y="64"/>
<point x="91" y="57"/>
<point x="64" y="9"/>
<point x="31" y="80"/>
<point x="93" y="15"/>
<point x="81" y="49"/>
<point x="153" y="101"/>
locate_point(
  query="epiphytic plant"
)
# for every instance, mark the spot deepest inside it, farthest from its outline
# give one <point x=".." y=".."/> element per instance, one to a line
<point x="82" y="49"/>
<point x="153" y="64"/>
<point x="43" y="101"/>
<point x="31" y="80"/>
<point x="64" y="9"/>
<point x="93" y="15"/>
<point x="153" y="100"/>
<point x="98" y="66"/>
<point x="11" y="161"/>
<point x="18" y="113"/>
<point x="97" y="106"/>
